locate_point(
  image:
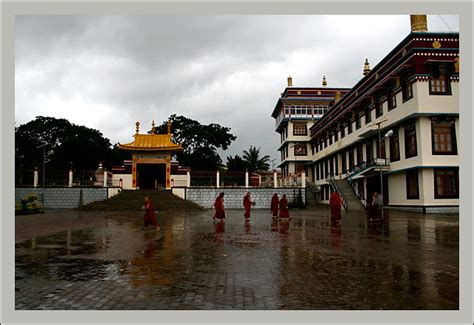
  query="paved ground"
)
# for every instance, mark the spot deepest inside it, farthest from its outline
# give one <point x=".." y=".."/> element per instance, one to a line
<point x="106" y="260"/>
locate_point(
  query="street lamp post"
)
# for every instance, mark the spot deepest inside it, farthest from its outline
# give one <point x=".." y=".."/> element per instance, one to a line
<point x="379" y="158"/>
<point x="44" y="166"/>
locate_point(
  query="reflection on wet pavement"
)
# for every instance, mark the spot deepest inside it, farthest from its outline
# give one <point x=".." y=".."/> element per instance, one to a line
<point x="97" y="260"/>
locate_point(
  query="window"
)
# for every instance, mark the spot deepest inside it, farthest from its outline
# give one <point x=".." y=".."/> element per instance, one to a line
<point x="292" y="111"/>
<point x="446" y="183"/>
<point x="412" y="184"/>
<point x="343" y="162"/>
<point x="391" y="99"/>
<point x="300" y="149"/>
<point x="381" y="150"/>
<point x="351" y="160"/>
<point x="369" y="149"/>
<point x="300" y="129"/>
<point x="298" y="112"/>
<point x="368" y="116"/>
<point x="349" y="126"/>
<point x="443" y="135"/>
<point x="407" y="90"/>
<point x="360" y="157"/>
<point x="439" y="80"/>
<point x="331" y="166"/>
<point x="378" y="107"/>
<point x="358" y="117"/>
<point x="410" y="141"/>
<point x="337" y="165"/>
<point x="336" y="135"/>
<point x="394" y="146"/>
<point x="343" y="131"/>
<point x="330" y="139"/>
<point x="286" y="111"/>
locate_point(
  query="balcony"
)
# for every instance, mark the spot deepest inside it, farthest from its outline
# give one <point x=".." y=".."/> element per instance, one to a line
<point x="369" y="168"/>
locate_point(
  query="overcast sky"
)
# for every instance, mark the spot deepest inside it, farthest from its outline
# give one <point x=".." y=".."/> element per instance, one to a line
<point x="107" y="72"/>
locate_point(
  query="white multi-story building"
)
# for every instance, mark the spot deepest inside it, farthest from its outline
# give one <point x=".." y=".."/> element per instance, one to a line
<point x="295" y="113"/>
<point x="410" y="99"/>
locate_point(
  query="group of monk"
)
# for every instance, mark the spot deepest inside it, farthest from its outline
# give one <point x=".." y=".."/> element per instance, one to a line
<point x="275" y="206"/>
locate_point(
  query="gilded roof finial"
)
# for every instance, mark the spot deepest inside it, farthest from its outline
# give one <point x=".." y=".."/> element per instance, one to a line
<point x="153" y="127"/>
<point x="169" y="127"/>
<point x="137" y="126"/>
<point x="419" y="23"/>
<point x="290" y="81"/>
<point x="366" y="67"/>
<point x="324" y="81"/>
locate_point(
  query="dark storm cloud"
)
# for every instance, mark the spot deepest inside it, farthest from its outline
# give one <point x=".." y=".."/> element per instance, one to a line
<point x="108" y="72"/>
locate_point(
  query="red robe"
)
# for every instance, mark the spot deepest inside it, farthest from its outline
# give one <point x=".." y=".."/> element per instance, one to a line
<point x="284" y="208"/>
<point x="150" y="215"/>
<point x="219" y="205"/>
<point x="335" y="203"/>
<point x="247" y="204"/>
<point x="274" y="205"/>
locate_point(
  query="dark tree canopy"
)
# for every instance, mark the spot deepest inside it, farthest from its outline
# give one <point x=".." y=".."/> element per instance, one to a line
<point x="67" y="143"/>
<point x="254" y="161"/>
<point x="236" y="163"/>
<point x="200" y="142"/>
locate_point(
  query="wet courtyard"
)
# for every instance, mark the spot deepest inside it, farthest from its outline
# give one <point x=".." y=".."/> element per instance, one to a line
<point x="96" y="260"/>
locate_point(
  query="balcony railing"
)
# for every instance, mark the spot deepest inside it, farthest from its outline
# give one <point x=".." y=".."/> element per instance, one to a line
<point x="365" y="165"/>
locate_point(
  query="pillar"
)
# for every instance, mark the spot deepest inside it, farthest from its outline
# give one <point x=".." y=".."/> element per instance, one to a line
<point x="246" y="178"/>
<point x="35" y="177"/>
<point x="70" y="178"/>
<point x="303" y="179"/>
<point x="275" y="184"/>
<point x="188" y="179"/>
<point x="217" y="179"/>
<point x="105" y="177"/>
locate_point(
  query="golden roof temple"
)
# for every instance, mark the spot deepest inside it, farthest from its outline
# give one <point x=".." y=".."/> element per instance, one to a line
<point x="151" y="156"/>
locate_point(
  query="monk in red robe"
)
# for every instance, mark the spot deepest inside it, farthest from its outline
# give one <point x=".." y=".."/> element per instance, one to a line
<point x="284" y="213"/>
<point x="150" y="214"/>
<point x="274" y="205"/>
<point x="247" y="205"/>
<point x="219" y="205"/>
<point x="335" y="202"/>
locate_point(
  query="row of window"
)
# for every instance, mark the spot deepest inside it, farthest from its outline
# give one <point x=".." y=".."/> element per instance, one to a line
<point x="446" y="184"/>
<point x="299" y="149"/>
<point x="443" y="135"/>
<point x="439" y="84"/>
<point x="307" y="110"/>
<point x="443" y="143"/>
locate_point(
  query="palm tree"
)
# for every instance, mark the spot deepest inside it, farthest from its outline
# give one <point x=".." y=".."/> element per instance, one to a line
<point x="253" y="161"/>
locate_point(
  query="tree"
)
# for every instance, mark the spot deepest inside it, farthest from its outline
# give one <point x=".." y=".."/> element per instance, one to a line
<point x="66" y="143"/>
<point x="253" y="160"/>
<point x="236" y="163"/>
<point x="200" y="142"/>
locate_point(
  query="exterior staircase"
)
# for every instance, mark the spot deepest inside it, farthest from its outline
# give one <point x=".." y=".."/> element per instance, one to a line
<point x="132" y="200"/>
<point x="353" y="202"/>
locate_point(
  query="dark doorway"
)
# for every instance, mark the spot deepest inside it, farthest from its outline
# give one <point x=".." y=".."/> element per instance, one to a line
<point x="151" y="175"/>
<point x="373" y="185"/>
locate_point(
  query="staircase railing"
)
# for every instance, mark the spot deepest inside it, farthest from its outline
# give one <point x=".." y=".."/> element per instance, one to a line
<point x="330" y="179"/>
<point x="313" y="189"/>
<point x="359" y="194"/>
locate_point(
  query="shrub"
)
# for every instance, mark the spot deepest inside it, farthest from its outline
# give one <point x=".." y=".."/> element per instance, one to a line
<point x="28" y="205"/>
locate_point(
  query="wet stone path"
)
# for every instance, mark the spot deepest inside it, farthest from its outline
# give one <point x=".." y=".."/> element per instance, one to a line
<point x="93" y="260"/>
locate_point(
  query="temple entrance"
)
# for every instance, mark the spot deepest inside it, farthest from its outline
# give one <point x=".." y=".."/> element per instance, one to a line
<point x="151" y="176"/>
